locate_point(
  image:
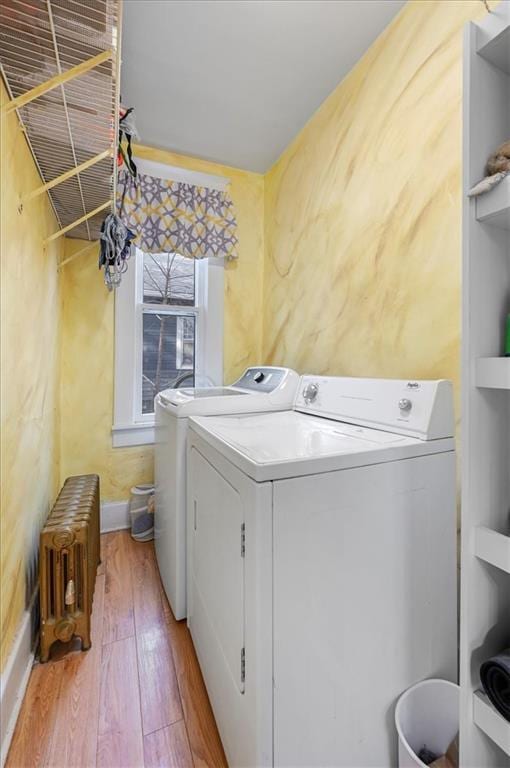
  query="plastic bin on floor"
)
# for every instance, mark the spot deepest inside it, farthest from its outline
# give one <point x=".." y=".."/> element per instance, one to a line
<point x="141" y="511"/>
<point x="427" y="714"/>
<point x="140" y="495"/>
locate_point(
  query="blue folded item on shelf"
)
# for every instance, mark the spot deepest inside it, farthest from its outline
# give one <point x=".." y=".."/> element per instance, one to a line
<point x="495" y="677"/>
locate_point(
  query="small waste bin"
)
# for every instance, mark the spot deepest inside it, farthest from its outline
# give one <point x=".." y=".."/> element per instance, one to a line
<point x="427" y="715"/>
<point x="141" y="512"/>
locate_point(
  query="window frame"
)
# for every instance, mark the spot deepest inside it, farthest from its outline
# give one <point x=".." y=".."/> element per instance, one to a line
<point x="180" y="341"/>
<point x="130" y="426"/>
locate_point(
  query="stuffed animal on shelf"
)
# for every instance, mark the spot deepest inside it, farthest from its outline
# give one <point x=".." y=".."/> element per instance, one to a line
<point x="498" y="165"/>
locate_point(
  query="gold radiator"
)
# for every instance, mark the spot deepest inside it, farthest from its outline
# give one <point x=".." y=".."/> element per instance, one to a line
<point x="69" y="556"/>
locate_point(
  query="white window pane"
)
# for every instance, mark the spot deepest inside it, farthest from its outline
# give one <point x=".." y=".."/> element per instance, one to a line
<point x="168" y="354"/>
<point x="168" y="278"/>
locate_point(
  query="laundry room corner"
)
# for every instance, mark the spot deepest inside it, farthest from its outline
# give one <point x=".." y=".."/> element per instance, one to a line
<point x="87" y="382"/>
<point x="87" y="337"/>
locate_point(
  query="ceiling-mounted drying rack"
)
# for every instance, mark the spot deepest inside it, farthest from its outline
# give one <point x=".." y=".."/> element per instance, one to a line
<point x="60" y="60"/>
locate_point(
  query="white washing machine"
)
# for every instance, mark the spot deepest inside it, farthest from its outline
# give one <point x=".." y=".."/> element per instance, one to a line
<point x="322" y="567"/>
<point x="258" y="389"/>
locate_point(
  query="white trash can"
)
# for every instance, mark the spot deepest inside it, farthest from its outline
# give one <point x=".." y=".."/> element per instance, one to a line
<point x="427" y="715"/>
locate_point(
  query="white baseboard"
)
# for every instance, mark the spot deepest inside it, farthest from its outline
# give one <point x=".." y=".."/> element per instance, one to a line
<point x="14" y="678"/>
<point x="114" y="516"/>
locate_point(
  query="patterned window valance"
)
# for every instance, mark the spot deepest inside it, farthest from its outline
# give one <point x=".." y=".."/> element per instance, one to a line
<point x="166" y="215"/>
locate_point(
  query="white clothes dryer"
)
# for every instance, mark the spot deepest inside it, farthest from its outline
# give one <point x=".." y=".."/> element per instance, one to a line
<point x="322" y="567"/>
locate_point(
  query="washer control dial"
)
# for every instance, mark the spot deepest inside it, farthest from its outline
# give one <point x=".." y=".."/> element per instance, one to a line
<point x="259" y="377"/>
<point x="310" y="393"/>
<point x="405" y="404"/>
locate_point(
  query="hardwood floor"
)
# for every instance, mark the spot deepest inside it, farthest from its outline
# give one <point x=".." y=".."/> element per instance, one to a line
<point x="136" y="698"/>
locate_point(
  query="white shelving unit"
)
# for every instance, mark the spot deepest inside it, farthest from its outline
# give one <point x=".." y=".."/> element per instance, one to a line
<point x="493" y="372"/>
<point x="493" y="41"/>
<point x="485" y="565"/>
<point x="490" y="721"/>
<point x="493" y="548"/>
<point x="494" y="207"/>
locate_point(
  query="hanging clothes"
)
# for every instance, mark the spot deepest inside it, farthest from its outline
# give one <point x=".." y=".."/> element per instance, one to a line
<point x="127" y="131"/>
<point x="115" y="249"/>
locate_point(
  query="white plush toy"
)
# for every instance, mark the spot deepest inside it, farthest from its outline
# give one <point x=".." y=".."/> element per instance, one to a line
<point x="498" y="166"/>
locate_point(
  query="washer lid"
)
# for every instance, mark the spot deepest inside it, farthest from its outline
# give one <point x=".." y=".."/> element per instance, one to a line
<point x="259" y="389"/>
<point x="186" y="394"/>
<point x="273" y="446"/>
<point x="191" y="401"/>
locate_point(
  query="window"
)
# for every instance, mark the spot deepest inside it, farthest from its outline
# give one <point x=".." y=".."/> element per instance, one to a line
<point x="168" y="333"/>
<point x="169" y="283"/>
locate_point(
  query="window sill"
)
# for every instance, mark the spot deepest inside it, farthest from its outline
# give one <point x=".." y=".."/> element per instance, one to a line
<point x="133" y="434"/>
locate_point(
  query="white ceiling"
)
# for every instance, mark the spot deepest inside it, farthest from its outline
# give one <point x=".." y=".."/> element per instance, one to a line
<point x="235" y="80"/>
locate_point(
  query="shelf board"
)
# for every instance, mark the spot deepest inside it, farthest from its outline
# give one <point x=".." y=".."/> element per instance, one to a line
<point x="488" y="719"/>
<point x="497" y="50"/>
<point x="494" y="207"/>
<point x="493" y="37"/>
<point x="493" y="372"/>
<point x="493" y="548"/>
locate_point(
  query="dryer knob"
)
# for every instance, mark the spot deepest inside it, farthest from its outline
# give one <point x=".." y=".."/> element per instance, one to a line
<point x="405" y="404"/>
<point x="310" y="393"/>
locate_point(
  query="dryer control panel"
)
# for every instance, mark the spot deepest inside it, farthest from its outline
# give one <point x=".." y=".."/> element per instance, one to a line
<point x="422" y="409"/>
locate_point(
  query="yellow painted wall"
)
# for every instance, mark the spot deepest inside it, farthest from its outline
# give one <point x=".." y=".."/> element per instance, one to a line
<point x="86" y="383"/>
<point x="87" y="338"/>
<point x="363" y="212"/>
<point x="29" y="369"/>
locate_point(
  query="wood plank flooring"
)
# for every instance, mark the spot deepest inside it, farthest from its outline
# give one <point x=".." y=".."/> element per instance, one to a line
<point x="137" y="698"/>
